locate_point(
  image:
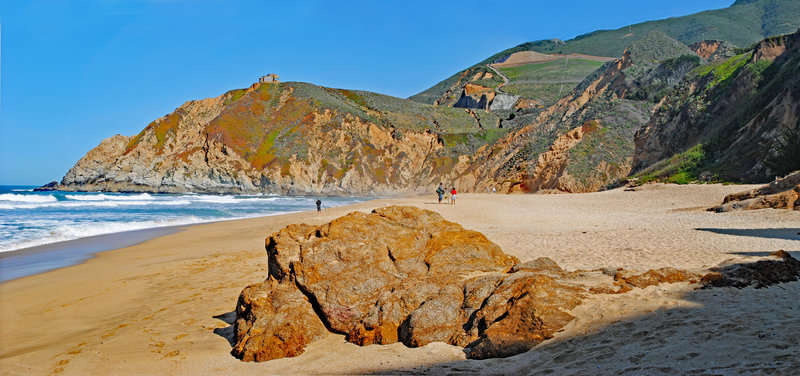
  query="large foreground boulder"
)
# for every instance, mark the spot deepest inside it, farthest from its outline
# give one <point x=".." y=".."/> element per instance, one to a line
<point x="399" y="274"/>
<point x="403" y="274"/>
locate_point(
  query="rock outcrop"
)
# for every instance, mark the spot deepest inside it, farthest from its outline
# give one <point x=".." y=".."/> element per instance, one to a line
<point x="771" y="48"/>
<point x="735" y="114"/>
<point x="403" y="274"/>
<point x="287" y="138"/>
<point x="779" y="267"/>
<point x="712" y="49"/>
<point x="400" y="274"/>
<point x="780" y="194"/>
<point x="585" y="141"/>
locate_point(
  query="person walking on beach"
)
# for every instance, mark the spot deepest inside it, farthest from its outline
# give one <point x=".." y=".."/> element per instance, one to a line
<point x="319" y="206"/>
<point x="440" y="192"/>
<point x="453" y="196"/>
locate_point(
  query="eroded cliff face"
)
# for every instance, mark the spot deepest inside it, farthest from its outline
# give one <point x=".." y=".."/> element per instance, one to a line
<point x="270" y="138"/>
<point x="585" y="141"/>
<point x="712" y="49"/>
<point x="729" y="118"/>
<point x="656" y="102"/>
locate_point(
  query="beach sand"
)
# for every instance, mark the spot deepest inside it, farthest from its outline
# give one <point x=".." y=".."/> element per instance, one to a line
<point x="165" y="306"/>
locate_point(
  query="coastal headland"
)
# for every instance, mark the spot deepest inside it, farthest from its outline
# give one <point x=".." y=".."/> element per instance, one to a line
<point x="165" y="306"/>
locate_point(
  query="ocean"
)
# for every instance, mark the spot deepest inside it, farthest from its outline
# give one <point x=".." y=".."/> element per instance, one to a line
<point x="30" y="219"/>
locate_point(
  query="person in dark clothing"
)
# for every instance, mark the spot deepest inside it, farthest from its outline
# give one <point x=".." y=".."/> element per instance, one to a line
<point x="440" y="192"/>
<point x="319" y="205"/>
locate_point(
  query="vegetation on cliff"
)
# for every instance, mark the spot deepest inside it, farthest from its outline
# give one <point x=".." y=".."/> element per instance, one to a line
<point x="740" y="112"/>
<point x="741" y="24"/>
<point x="290" y="138"/>
<point x="660" y="112"/>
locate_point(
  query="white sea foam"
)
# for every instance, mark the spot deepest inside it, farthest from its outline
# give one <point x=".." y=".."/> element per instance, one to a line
<point x="28" y="220"/>
<point x="71" y="231"/>
<point x="104" y="197"/>
<point x="106" y="204"/>
<point x="26" y="198"/>
<point x="231" y="199"/>
<point x="215" y="199"/>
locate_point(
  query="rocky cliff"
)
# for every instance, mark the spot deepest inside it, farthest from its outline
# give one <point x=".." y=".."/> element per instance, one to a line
<point x="289" y="138"/>
<point x="660" y="112"/>
<point x="585" y="141"/>
<point x="741" y="24"/>
<point x="736" y="119"/>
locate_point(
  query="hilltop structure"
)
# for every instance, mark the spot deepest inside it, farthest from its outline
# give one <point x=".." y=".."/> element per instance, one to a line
<point x="268" y="79"/>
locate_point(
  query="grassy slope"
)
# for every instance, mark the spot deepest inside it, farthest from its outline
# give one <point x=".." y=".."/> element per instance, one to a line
<point x="548" y="81"/>
<point x="611" y="122"/>
<point x="742" y="24"/>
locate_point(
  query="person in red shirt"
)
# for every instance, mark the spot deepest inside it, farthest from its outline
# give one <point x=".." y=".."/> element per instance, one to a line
<point x="453" y="196"/>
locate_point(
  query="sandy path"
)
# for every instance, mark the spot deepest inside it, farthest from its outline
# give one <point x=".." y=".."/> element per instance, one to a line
<point x="503" y="76"/>
<point x="161" y="307"/>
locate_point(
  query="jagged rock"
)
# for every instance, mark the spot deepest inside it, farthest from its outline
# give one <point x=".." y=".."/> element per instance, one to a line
<point x="653" y="277"/>
<point x="626" y="280"/>
<point x="274" y="320"/>
<point x="401" y="274"/>
<point x="780" y="194"/>
<point x="475" y="96"/>
<point x="51" y="186"/>
<point x="525" y="309"/>
<point x="712" y="49"/>
<point x="779" y="267"/>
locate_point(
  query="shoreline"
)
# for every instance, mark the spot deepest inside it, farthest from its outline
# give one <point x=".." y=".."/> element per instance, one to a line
<point x="37" y="259"/>
<point x="165" y="305"/>
<point x="31" y="261"/>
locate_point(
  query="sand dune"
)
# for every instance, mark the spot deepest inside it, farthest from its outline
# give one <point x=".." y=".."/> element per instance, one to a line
<point x="163" y="307"/>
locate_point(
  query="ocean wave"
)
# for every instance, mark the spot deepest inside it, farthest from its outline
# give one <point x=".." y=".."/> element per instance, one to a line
<point x="233" y="199"/>
<point x="214" y="199"/>
<point x="27" y="198"/>
<point x="79" y="204"/>
<point x="104" y="197"/>
<point x="81" y="230"/>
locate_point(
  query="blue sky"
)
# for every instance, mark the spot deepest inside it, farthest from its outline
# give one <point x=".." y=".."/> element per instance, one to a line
<point x="75" y="72"/>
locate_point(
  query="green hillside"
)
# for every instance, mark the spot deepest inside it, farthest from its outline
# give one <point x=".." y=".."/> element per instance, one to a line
<point x="548" y="81"/>
<point x="743" y="23"/>
<point x="731" y="120"/>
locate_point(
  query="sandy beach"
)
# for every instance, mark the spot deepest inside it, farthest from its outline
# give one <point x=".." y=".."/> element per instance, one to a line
<point x="165" y="306"/>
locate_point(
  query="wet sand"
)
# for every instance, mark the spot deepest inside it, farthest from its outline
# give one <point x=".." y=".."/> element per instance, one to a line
<point x="39" y="259"/>
<point x="164" y="306"/>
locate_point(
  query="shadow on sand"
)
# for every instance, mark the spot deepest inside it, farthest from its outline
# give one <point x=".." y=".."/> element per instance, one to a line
<point x="771" y="233"/>
<point x="708" y="331"/>
<point x="721" y="331"/>
<point x="227" y="332"/>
